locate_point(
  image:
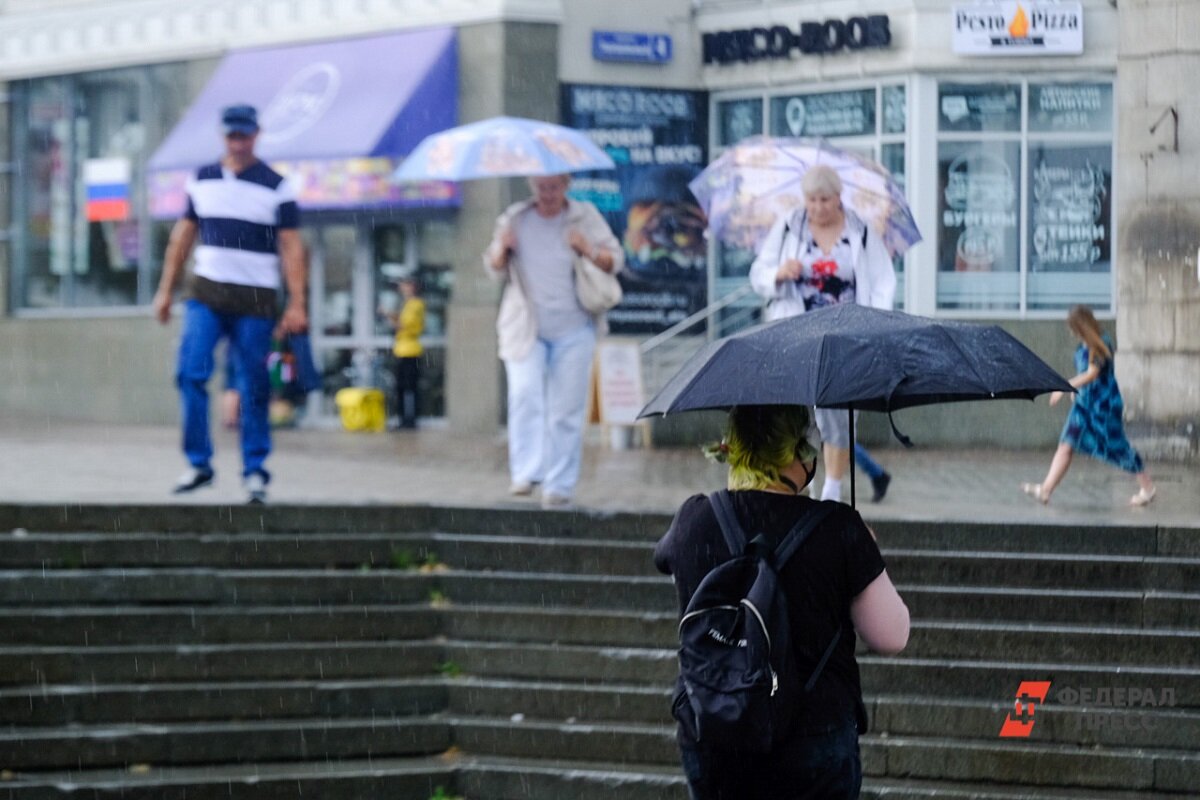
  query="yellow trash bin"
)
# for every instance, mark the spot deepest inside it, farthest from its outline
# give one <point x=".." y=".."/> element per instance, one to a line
<point x="361" y="409"/>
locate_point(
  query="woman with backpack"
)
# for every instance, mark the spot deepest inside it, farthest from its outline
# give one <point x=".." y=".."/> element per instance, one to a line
<point x="830" y="584"/>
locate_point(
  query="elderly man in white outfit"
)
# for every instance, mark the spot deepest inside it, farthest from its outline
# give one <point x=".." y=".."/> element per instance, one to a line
<point x="822" y="255"/>
<point x="546" y="337"/>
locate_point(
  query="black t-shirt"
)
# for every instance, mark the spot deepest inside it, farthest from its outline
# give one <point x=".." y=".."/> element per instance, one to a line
<point x="837" y="561"/>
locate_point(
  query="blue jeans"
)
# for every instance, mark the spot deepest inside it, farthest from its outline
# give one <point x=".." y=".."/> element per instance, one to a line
<point x="547" y="395"/>
<point x="818" y="767"/>
<point x="249" y="345"/>
<point x="868" y="464"/>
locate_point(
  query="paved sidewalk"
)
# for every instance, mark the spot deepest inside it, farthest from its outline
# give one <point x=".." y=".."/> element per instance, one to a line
<point x="49" y="461"/>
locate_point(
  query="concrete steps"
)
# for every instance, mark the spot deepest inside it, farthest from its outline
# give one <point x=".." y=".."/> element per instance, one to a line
<point x="231" y="741"/>
<point x="357" y="778"/>
<point x="99" y="704"/>
<point x="350" y="653"/>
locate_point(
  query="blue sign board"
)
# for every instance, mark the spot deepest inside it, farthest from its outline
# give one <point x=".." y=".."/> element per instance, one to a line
<point x="639" y="48"/>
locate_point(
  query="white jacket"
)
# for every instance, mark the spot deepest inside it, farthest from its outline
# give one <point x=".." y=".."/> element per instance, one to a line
<point x="516" y="325"/>
<point x="874" y="275"/>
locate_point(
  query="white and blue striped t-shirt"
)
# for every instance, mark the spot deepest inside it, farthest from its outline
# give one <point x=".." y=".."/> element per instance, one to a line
<point x="239" y="215"/>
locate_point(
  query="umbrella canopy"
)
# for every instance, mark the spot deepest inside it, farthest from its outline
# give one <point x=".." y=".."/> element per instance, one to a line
<point x="757" y="181"/>
<point x="852" y="356"/>
<point x="502" y="147"/>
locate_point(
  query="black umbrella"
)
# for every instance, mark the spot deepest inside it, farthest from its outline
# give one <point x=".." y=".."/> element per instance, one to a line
<point x="855" y="357"/>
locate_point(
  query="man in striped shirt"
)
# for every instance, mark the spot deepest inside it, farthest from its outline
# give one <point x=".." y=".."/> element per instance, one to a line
<point x="247" y="221"/>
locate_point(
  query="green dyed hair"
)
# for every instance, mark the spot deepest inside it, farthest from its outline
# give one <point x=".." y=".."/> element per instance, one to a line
<point x="762" y="441"/>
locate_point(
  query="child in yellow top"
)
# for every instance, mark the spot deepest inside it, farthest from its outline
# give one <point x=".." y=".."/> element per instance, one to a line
<point x="410" y="323"/>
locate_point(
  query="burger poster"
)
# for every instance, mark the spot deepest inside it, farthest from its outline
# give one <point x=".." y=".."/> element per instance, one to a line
<point x="657" y="139"/>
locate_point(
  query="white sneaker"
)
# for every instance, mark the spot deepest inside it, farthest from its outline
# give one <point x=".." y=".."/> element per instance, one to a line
<point x="521" y="488"/>
<point x="192" y="480"/>
<point x="550" y="501"/>
<point x="256" y="488"/>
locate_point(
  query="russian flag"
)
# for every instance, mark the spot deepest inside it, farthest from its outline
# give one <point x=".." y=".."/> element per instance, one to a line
<point x="107" y="182"/>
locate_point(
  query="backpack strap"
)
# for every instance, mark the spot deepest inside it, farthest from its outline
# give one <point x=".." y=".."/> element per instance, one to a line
<point x="812" y="681"/>
<point x="800" y="531"/>
<point x="731" y="529"/>
<point x="788" y="547"/>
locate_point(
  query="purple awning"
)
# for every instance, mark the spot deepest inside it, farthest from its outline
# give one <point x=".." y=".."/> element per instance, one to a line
<point x="352" y="98"/>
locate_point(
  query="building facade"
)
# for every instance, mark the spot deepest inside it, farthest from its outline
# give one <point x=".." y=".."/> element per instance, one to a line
<point x="112" y="105"/>
<point x="1019" y="131"/>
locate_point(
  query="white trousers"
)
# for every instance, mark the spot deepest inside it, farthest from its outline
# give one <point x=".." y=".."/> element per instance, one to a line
<point x="547" y="397"/>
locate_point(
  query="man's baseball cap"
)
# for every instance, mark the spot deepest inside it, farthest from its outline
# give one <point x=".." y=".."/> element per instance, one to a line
<point x="240" y="119"/>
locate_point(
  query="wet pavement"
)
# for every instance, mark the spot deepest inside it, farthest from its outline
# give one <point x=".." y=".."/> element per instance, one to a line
<point x="51" y="461"/>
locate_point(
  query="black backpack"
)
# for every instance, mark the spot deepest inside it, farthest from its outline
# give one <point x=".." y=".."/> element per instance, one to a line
<point x="740" y="680"/>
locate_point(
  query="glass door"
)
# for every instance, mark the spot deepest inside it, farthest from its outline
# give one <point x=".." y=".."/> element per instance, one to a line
<point x="354" y="298"/>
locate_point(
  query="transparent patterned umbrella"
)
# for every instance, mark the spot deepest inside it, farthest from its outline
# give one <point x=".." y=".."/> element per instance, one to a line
<point x="756" y="181"/>
<point x="502" y="147"/>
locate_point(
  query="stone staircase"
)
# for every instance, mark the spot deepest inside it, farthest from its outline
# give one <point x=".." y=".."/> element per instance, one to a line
<point x="501" y="655"/>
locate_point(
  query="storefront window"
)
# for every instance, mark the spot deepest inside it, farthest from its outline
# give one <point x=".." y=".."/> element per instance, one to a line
<point x="391" y="264"/>
<point x="83" y="237"/>
<point x="989" y="107"/>
<point x="1070" y="108"/>
<point x="336" y="307"/>
<point x="979" y="233"/>
<point x="827" y="114"/>
<point x="869" y="121"/>
<point x="739" y="119"/>
<point x="991" y="256"/>
<point x="891" y="155"/>
<point x="895" y="109"/>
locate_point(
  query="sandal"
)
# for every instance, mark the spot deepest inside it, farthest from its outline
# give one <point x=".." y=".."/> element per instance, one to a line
<point x="1143" y="498"/>
<point x="1034" y="490"/>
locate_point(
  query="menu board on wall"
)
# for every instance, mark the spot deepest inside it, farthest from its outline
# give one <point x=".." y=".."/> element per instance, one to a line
<point x="828" y="114"/>
<point x="658" y="140"/>
<point x="979" y="206"/>
<point x="1070" y="190"/>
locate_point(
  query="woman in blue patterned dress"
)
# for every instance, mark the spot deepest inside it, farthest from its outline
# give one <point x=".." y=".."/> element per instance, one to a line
<point x="1096" y="423"/>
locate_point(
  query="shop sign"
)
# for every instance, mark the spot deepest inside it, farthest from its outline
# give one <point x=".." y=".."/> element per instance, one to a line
<point x="812" y="38"/>
<point x="1018" y="29"/>
<point x="849" y="113"/>
<point x="658" y="140"/>
<point x="636" y="48"/>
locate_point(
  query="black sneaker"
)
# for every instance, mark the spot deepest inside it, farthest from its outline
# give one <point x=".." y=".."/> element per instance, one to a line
<point x="880" y="485"/>
<point x="195" y="478"/>
<point x="255" y="485"/>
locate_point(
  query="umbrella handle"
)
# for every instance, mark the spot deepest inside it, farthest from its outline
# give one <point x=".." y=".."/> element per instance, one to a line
<point x="850" y="411"/>
<point x="900" y="437"/>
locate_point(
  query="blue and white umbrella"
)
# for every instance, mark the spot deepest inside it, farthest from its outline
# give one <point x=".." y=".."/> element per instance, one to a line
<point x="502" y="147"/>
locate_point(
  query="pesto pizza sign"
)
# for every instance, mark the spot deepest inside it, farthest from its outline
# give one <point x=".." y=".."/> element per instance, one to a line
<point x="1018" y="29"/>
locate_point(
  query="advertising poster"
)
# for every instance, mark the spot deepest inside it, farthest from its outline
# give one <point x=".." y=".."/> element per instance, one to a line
<point x="1071" y="189"/>
<point x="979" y="206"/>
<point x="658" y="140"/>
<point x="827" y="114"/>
